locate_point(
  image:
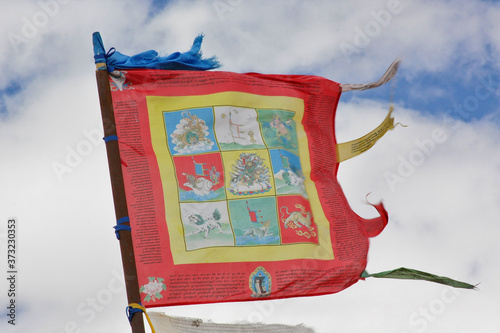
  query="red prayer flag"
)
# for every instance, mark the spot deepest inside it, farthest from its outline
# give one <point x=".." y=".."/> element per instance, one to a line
<point x="195" y="238"/>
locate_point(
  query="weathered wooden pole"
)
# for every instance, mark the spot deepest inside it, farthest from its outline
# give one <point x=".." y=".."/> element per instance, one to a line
<point x="118" y="188"/>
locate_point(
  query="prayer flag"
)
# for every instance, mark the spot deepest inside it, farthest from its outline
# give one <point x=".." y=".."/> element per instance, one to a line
<point x="254" y="227"/>
<point x="196" y="149"/>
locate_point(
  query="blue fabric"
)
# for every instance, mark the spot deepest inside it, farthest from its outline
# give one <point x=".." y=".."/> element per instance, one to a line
<point x="131" y="311"/>
<point x="119" y="226"/>
<point x="99" y="52"/>
<point x="123" y="220"/>
<point x="110" y="138"/>
<point x="190" y="60"/>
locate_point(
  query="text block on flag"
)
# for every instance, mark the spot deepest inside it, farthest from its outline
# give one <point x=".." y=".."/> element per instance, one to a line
<point x="231" y="186"/>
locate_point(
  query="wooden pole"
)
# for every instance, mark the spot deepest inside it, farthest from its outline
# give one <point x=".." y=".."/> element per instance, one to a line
<point x="119" y="198"/>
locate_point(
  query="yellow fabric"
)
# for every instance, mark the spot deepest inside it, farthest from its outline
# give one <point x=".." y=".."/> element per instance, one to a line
<point x="347" y="150"/>
<point x="100" y="65"/>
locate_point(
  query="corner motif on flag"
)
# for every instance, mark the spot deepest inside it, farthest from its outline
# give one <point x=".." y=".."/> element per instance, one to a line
<point x="191" y="132"/>
<point x="119" y="81"/>
<point x="153" y="289"/>
<point x="260" y="282"/>
<point x="298" y="219"/>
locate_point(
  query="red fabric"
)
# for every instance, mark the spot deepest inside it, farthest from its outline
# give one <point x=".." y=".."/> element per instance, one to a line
<point x="302" y="231"/>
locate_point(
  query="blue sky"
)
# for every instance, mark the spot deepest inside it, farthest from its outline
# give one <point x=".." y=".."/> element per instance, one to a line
<point x="12" y="88"/>
<point x="439" y="178"/>
<point x="443" y="94"/>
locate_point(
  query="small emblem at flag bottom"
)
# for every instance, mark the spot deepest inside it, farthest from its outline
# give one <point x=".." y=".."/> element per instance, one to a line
<point x="260" y="282"/>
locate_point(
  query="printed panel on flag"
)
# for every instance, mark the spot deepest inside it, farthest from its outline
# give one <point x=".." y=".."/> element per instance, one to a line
<point x="234" y="175"/>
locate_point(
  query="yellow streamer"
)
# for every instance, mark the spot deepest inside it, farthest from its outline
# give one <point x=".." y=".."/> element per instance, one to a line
<point x="347" y="150"/>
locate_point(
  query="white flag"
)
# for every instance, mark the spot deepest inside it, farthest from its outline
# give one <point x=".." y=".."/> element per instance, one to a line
<point x="163" y="323"/>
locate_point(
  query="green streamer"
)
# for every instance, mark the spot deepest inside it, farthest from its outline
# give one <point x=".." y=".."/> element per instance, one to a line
<point x="413" y="274"/>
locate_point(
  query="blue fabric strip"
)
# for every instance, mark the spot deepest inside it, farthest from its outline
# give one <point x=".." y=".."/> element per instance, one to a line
<point x="119" y="226"/>
<point x="99" y="52"/>
<point x="123" y="220"/>
<point x="110" y="138"/>
<point x="131" y="311"/>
